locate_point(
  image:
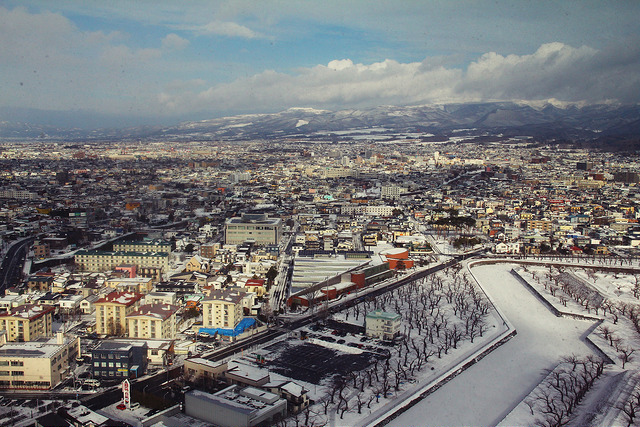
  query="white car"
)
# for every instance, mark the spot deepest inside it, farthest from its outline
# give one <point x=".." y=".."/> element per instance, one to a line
<point x="204" y="335"/>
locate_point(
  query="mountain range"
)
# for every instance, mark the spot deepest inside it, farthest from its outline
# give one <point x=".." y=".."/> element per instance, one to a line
<point x="604" y="126"/>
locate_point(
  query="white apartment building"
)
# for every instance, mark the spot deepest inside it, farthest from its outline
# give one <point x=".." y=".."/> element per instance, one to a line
<point x="383" y="325"/>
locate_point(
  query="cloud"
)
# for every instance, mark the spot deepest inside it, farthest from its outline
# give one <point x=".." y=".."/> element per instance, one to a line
<point x="47" y="62"/>
<point x="229" y="29"/>
<point x="553" y="71"/>
<point x="174" y="42"/>
<point x="121" y="55"/>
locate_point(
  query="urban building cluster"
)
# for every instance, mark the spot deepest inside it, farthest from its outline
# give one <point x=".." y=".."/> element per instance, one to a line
<point x="134" y="252"/>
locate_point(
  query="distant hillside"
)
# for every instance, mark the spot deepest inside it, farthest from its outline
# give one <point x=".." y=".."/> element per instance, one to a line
<point x="601" y="126"/>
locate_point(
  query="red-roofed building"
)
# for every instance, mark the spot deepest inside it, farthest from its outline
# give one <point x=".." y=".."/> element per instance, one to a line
<point x="256" y="286"/>
<point x="111" y="312"/>
<point x="27" y="322"/>
<point x="398" y="258"/>
<point x="155" y="321"/>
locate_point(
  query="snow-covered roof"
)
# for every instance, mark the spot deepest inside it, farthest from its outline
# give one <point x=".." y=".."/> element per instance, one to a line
<point x="85" y="416"/>
<point x="157" y="311"/>
<point x="124" y="298"/>
<point x="206" y="362"/>
<point x="293" y="389"/>
<point x="29" y="311"/>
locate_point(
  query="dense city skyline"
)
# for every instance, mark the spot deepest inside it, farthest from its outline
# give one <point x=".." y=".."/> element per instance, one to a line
<point x="158" y="63"/>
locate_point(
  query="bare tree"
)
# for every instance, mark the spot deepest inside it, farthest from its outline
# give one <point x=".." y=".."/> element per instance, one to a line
<point x="625" y="355"/>
<point x="359" y="401"/>
<point x="631" y="407"/>
<point x="605" y="331"/>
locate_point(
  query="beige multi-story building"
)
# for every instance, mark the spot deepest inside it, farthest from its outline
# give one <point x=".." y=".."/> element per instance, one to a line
<point x="143" y="246"/>
<point x="383" y="210"/>
<point x="222" y="309"/>
<point x="154" y="321"/>
<point x="253" y="227"/>
<point x="27" y="322"/>
<point x="392" y="191"/>
<point x="41" y="250"/>
<point x="337" y="172"/>
<point x="540" y="224"/>
<point x="96" y="261"/>
<point x="38" y="364"/>
<point x="209" y="250"/>
<point x="141" y="285"/>
<point x="111" y="312"/>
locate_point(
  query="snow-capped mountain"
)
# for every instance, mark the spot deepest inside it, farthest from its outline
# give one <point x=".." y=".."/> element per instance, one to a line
<point x="541" y="121"/>
<point x="544" y="122"/>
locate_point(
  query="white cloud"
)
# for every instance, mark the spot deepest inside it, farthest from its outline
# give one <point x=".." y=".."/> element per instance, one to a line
<point x="47" y="62"/>
<point x="174" y="42"/>
<point x="229" y="29"/>
<point x="121" y="55"/>
<point x="554" y="71"/>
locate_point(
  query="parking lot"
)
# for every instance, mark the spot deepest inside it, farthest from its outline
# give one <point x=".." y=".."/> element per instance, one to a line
<point x="311" y="363"/>
<point x="305" y="358"/>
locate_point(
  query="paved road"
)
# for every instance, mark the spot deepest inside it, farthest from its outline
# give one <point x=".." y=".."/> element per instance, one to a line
<point x="11" y="267"/>
<point x="485" y="393"/>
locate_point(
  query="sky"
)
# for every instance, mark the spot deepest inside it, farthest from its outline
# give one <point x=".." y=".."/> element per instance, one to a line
<point x="164" y="61"/>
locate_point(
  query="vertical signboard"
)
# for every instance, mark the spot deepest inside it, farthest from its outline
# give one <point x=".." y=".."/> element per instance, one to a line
<point x="126" y="393"/>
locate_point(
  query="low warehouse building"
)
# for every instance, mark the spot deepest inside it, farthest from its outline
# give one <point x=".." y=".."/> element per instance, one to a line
<point x="236" y="407"/>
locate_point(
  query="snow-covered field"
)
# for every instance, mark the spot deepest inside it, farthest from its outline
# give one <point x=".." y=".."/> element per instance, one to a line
<point x="485" y="393"/>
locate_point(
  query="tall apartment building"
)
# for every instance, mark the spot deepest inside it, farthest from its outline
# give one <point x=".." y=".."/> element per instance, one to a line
<point x="256" y="227"/>
<point x="222" y="309"/>
<point x="153" y="321"/>
<point x="27" y="322"/>
<point x="111" y="312"/>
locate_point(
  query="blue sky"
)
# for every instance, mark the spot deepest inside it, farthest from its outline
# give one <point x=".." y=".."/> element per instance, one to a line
<point x="162" y="61"/>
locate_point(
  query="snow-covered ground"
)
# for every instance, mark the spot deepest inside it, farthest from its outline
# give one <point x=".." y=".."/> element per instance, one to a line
<point x="485" y="393"/>
<point x="376" y="405"/>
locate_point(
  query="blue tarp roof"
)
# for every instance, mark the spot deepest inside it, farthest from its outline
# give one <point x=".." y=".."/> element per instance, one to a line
<point x="244" y="324"/>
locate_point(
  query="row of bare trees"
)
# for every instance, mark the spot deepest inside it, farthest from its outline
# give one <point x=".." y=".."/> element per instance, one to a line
<point x="590" y="299"/>
<point x="439" y="312"/>
<point x="625" y="352"/>
<point x="555" y="399"/>
<point x="630" y="408"/>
